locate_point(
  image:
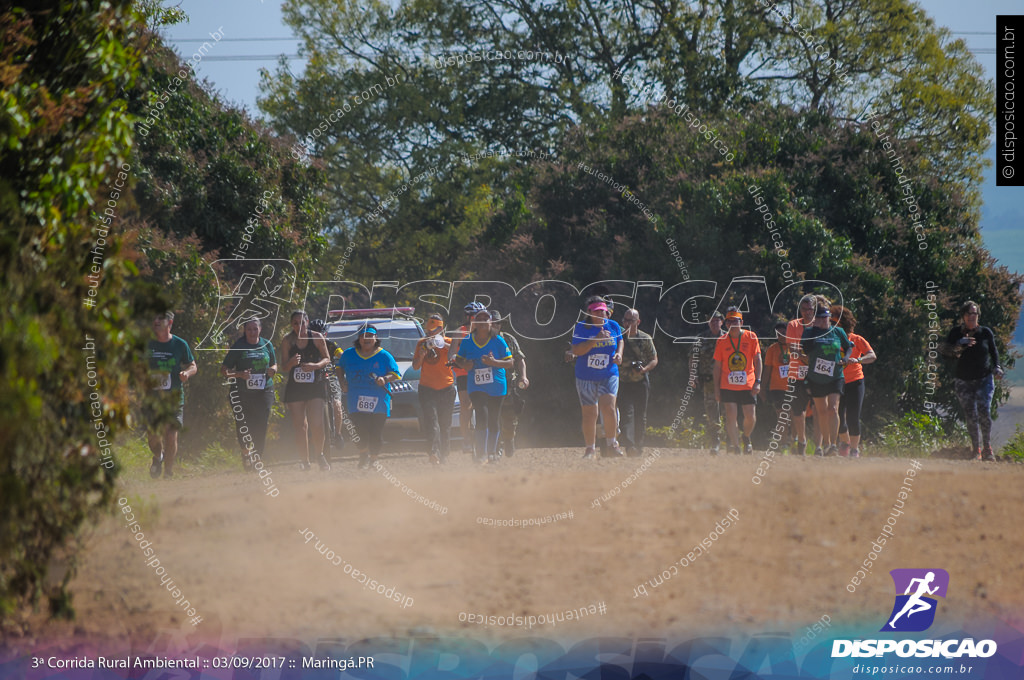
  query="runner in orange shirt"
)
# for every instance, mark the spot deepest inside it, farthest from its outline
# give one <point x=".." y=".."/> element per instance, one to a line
<point x="776" y="363"/>
<point x="853" y="394"/>
<point x="738" y="378"/>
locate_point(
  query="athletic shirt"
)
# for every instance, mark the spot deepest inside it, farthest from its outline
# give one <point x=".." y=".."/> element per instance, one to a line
<point x="824" y="348"/>
<point x="597" y="364"/>
<point x="779" y="370"/>
<point x="166" y="361"/>
<point x="364" y="394"/>
<point x="979" y="361"/>
<point x="257" y="359"/>
<point x="307" y="355"/>
<point x="855" y="372"/>
<point x="481" y="378"/>
<point x="435" y="373"/>
<point x="737" y="357"/>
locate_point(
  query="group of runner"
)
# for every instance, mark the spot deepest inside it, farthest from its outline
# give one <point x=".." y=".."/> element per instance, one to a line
<point x="814" y="367"/>
<point x="815" y="363"/>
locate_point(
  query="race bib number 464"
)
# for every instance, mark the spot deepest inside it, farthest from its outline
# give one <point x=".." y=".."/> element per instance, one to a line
<point x="824" y="367"/>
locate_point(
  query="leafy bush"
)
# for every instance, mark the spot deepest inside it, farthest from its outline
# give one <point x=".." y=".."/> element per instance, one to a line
<point x="64" y="365"/>
<point x="913" y="434"/>
<point x="1015" y="447"/>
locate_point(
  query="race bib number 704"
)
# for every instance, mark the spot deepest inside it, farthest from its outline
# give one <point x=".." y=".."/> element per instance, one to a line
<point x="597" y="361"/>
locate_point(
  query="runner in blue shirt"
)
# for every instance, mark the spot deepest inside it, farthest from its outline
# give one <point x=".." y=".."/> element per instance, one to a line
<point x="366" y="370"/>
<point x="486" y="358"/>
<point x="597" y="346"/>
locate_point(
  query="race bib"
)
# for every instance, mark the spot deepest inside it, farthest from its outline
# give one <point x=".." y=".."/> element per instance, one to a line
<point x="737" y="377"/>
<point x="257" y="381"/>
<point x="483" y="376"/>
<point x="823" y="367"/>
<point x="801" y="371"/>
<point x="301" y="376"/>
<point x="163" y="381"/>
<point x="784" y="371"/>
<point x="366" y="404"/>
<point x="597" y="361"/>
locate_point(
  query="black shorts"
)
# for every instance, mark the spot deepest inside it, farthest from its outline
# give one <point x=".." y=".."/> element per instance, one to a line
<point x="741" y="397"/>
<point x="296" y="391"/>
<point x="462" y="385"/>
<point x="801" y="397"/>
<point x="819" y="390"/>
<point x="776" y="398"/>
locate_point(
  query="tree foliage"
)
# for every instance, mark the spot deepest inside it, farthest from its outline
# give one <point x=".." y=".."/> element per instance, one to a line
<point x="212" y="184"/>
<point x="64" y="136"/>
<point x="805" y="95"/>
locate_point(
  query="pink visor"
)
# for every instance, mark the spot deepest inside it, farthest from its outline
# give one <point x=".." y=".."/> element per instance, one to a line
<point x="598" y="307"/>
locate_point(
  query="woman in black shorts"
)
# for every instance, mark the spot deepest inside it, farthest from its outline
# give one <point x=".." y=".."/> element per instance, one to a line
<point x="304" y="353"/>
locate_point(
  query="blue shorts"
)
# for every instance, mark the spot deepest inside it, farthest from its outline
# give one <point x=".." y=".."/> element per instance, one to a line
<point x="590" y="390"/>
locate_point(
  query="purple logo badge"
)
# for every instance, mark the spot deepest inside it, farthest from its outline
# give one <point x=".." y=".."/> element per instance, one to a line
<point x="916" y="590"/>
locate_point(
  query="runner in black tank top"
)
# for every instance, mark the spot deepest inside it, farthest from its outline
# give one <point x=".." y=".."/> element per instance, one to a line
<point x="302" y="361"/>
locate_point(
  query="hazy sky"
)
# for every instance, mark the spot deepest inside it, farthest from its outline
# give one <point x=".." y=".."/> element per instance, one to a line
<point x="236" y="77"/>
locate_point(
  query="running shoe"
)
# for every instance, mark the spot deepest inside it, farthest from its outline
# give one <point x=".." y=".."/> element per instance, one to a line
<point x="433" y="459"/>
<point x="364" y="460"/>
<point x="157" y="466"/>
<point x="844" y="449"/>
<point x="977" y="454"/>
<point x="832" y="450"/>
<point x="988" y="454"/>
<point x="615" y="451"/>
<point x="716" y="450"/>
<point x="590" y="453"/>
<point x="168" y="474"/>
<point x="324" y="465"/>
<point x="854" y="453"/>
<point x="733" y="450"/>
<point x="801" y="449"/>
<point x="747" y="446"/>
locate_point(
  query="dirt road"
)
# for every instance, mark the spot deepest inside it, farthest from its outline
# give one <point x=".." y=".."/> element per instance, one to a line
<point x="253" y="565"/>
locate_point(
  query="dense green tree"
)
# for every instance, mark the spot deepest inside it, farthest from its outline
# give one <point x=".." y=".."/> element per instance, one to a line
<point x="65" y="326"/>
<point x="212" y="184"/>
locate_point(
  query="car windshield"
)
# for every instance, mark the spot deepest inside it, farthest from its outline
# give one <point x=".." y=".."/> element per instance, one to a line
<point x="399" y="342"/>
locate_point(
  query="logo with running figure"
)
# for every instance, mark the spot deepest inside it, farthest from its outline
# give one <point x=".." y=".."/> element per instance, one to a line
<point x="914" y="610"/>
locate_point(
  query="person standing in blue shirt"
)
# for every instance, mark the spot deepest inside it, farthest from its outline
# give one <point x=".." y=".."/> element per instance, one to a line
<point x="597" y="346"/>
<point x="366" y="369"/>
<point x="486" y="358"/>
